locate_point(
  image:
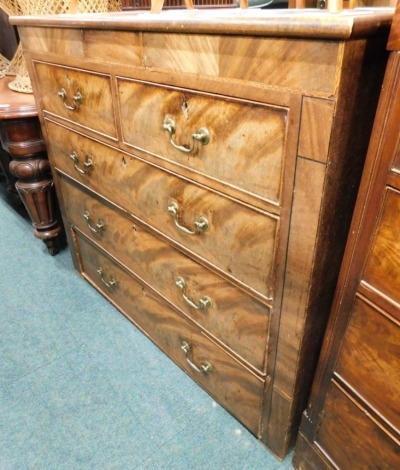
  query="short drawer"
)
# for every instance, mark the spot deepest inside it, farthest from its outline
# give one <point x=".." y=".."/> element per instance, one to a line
<point x="237" y="239"/>
<point x="231" y="384"/>
<point x="226" y="312"/>
<point x="81" y="97"/>
<point x="236" y="142"/>
<point x="369" y="360"/>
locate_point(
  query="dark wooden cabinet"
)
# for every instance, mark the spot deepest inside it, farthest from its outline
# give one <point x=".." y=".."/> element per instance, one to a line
<point x="25" y="164"/>
<point x="353" y="417"/>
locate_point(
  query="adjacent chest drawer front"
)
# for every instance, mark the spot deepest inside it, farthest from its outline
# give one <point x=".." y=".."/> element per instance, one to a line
<point x="369" y="360"/>
<point x="240" y="143"/>
<point x="236" y="239"/>
<point x="81" y="97"/>
<point x="231" y="384"/>
<point x="382" y="269"/>
<point x="236" y="319"/>
<point x="349" y="436"/>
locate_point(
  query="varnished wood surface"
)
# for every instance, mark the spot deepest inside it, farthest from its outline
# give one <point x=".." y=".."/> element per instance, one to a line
<point x="369" y="360"/>
<point x="229" y="382"/>
<point x="353" y="415"/>
<point x="27" y="163"/>
<point x="96" y="110"/>
<point x="382" y="270"/>
<point x="394" y="37"/>
<point x="277" y="232"/>
<point x="316" y="128"/>
<point x="229" y="157"/>
<point x="14" y="105"/>
<point x="291" y="22"/>
<point x="347" y="426"/>
<point x="236" y="319"/>
<point x="145" y="191"/>
<point x="256" y="59"/>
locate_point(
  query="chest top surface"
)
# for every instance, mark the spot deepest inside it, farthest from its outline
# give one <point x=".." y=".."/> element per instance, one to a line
<point x="310" y="23"/>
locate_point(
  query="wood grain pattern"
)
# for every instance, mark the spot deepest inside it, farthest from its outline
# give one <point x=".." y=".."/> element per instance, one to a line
<point x="308" y="457"/>
<point x="235" y="318"/>
<point x="315" y="128"/>
<point x="240" y="241"/>
<point x="306" y="206"/>
<point x="308" y="64"/>
<point x="96" y="111"/>
<point x="394" y="37"/>
<point x="382" y="270"/>
<point x="396" y="165"/>
<point x="247" y="153"/>
<point x="182" y="53"/>
<point x="369" y="360"/>
<point x="256" y="68"/>
<point x="277" y="23"/>
<point x="229" y="382"/>
<point x="54" y="40"/>
<point x="352" y="417"/>
<point x="126" y="47"/>
<point x="347" y="426"/>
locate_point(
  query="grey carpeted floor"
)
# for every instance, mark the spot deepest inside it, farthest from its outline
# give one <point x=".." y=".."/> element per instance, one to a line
<point x="82" y="388"/>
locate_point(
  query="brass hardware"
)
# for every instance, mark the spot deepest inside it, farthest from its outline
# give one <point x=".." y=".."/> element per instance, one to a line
<point x="204" y="303"/>
<point x="77" y="99"/>
<point x="110" y="284"/>
<point x="204" y="368"/>
<point x="201" y="225"/>
<point x="202" y="135"/>
<point x="97" y="228"/>
<point x="88" y="164"/>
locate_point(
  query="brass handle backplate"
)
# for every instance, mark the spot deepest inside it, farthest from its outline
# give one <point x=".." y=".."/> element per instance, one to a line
<point x="203" y="304"/>
<point x="109" y="284"/>
<point x="201" y="225"/>
<point x="96" y="228"/>
<point x="76" y="99"/>
<point x="88" y="164"/>
<point x="204" y="368"/>
<point x="202" y="136"/>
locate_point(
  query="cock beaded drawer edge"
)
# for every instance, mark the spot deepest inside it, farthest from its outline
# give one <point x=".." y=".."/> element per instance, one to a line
<point x="207" y="164"/>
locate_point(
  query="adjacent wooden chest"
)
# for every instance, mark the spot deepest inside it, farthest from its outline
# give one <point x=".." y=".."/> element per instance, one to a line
<point x="207" y="163"/>
<point x="353" y="417"/>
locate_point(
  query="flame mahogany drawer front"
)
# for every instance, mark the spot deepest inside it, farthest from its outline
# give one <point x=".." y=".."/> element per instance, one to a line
<point x="226" y="379"/>
<point x="247" y="153"/>
<point x="81" y="97"/>
<point x="215" y="165"/>
<point x="174" y="206"/>
<point x="237" y="319"/>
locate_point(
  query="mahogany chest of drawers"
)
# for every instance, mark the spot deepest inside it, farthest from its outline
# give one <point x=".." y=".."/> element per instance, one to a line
<point x="207" y="165"/>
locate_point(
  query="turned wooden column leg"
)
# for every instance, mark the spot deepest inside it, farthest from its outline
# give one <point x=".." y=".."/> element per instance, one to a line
<point x="10" y="179"/>
<point x="34" y="182"/>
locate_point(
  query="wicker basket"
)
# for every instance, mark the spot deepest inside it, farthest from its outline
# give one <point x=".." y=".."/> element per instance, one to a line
<point x="175" y="4"/>
<point x="17" y="64"/>
<point x="4" y="64"/>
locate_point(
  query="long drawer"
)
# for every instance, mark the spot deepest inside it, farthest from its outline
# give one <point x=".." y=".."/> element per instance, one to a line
<point x="348" y="433"/>
<point x="382" y="268"/>
<point x="237" y="142"/>
<point x="80" y="97"/>
<point x="369" y="355"/>
<point x="237" y="239"/>
<point x="236" y="319"/>
<point x="232" y="385"/>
